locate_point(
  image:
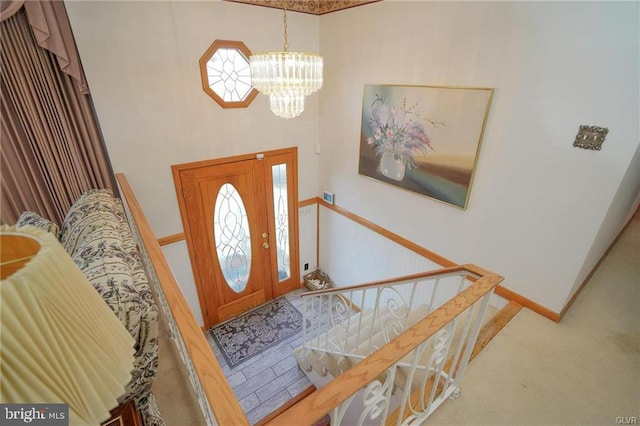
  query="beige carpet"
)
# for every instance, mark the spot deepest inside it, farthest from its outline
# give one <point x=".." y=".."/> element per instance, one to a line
<point x="584" y="370"/>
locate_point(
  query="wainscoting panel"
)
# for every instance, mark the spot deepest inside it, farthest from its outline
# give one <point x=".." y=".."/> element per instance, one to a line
<point x="352" y="254"/>
<point x="308" y="235"/>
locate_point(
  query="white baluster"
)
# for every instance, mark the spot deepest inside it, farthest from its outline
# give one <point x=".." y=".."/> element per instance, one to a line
<point x="376" y="398"/>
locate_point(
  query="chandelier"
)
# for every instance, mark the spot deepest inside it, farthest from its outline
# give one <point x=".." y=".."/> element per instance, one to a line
<point x="286" y="77"/>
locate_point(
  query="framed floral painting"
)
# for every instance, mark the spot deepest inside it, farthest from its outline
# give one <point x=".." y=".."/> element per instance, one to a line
<point x="425" y="139"/>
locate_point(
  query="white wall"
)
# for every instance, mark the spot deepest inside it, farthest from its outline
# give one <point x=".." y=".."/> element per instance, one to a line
<point x="178" y="258"/>
<point x="141" y="60"/>
<point x="537" y="202"/>
<point x="619" y="213"/>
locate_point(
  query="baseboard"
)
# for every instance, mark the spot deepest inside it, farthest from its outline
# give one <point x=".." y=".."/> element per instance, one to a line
<point x="500" y="291"/>
<point x="527" y="303"/>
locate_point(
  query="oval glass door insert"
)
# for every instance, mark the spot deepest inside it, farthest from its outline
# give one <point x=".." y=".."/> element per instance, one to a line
<point x="232" y="237"/>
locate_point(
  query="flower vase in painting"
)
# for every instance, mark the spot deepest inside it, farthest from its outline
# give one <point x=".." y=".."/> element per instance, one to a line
<point x="399" y="137"/>
<point x="391" y="167"/>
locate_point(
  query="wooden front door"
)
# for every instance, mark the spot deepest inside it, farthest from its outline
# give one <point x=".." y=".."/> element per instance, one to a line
<point x="240" y="220"/>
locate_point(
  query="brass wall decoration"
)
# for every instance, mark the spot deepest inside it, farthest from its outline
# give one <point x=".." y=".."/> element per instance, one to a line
<point x="591" y="137"/>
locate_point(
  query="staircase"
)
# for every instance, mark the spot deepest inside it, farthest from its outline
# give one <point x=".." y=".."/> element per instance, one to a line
<point x="432" y="354"/>
<point x="344" y="326"/>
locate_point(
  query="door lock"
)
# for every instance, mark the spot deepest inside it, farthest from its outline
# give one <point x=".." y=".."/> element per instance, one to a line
<point x="265" y="245"/>
<point x="265" y="235"/>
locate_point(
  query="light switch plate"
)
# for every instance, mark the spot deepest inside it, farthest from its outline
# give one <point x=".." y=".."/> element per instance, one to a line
<point x="591" y="137"/>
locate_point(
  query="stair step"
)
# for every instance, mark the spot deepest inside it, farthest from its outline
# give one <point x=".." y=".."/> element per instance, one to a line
<point x="343" y="335"/>
<point x="334" y="351"/>
<point x="394" y="328"/>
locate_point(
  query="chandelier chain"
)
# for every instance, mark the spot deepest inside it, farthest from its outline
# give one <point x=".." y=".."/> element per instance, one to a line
<point x="286" y="41"/>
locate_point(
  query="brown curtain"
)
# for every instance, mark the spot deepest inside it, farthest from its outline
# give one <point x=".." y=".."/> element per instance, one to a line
<point x="51" y="146"/>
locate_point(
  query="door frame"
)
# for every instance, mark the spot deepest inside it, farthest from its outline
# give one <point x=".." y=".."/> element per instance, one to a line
<point x="178" y="170"/>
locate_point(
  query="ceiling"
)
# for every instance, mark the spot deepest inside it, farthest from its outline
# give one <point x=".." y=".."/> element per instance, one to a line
<point x="314" y="7"/>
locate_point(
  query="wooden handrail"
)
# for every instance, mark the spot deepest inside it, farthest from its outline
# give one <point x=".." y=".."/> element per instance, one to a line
<point x="317" y="405"/>
<point x="220" y="396"/>
<point x="398" y="280"/>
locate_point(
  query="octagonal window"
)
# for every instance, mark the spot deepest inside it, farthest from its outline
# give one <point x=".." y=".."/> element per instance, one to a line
<point x="226" y="74"/>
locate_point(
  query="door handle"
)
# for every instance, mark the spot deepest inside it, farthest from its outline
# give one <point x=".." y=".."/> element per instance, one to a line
<point x="265" y="245"/>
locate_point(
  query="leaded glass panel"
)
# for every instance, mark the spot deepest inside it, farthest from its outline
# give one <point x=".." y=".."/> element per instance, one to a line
<point x="232" y="237"/>
<point x="281" y="214"/>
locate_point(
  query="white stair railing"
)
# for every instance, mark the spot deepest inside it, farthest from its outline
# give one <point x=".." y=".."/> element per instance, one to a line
<point x="346" y="326"/>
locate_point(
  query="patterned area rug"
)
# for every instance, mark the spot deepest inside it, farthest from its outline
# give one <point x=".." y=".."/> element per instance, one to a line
<point x="251" y="333"/>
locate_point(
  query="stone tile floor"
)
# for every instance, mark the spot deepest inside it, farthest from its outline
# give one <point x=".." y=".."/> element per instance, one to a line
<point x="270" y="379"/>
